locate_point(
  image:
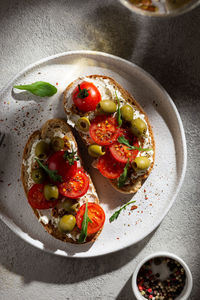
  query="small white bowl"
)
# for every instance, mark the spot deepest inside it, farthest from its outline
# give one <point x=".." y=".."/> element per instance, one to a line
<point x="188" y="283"/>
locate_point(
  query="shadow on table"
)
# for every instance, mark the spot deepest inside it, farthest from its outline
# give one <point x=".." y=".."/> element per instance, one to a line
<point x="35" y="265"/>
<point x="172" y="56"/>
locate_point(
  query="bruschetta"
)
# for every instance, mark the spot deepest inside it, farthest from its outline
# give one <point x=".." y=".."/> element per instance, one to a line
<point x="115" y="129"/>
<point x="58" y="189"/>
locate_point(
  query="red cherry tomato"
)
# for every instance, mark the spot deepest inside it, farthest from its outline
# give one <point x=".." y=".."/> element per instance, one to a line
<point x="96" y="215"/>
<point x="57" y="162"/>
<point x="109" y="167"/>
<point x="86" y="96"/>
<point x="122" y="153"/>
<point x="36" y="198"/>
<point x="76" y="186"/>
<point x="103" y="130"/>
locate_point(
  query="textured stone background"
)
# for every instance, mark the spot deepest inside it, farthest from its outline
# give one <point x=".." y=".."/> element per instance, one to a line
<point x="169" y="50"/>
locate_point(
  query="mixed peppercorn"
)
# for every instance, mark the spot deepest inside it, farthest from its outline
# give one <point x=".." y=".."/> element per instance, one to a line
<point x="161" y="279"/>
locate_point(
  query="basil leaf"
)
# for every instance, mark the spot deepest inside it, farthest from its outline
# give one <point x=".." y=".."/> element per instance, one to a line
<point x="119" y="117"/>
<point x="39" y="88"/>
<point x="116" y="214"/>
<point x="53" y="174"/>
<point x="123" y="176"/>
<point x="84" y="225"/>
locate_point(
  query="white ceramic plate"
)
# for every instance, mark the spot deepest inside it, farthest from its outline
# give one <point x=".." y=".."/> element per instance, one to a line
<point x="23" y="113"/>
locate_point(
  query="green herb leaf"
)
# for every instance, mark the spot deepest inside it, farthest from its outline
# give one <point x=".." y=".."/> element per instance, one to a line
<point x="84" y="226"/>
<point x="123" y="140"/>
<point x="116" y="214"/>
<point x="122" y="178"/>
<point x="39" y="88"/>
<point x="119" y="117"/>
<point x="70" y="157"/>
<point x="82" y="93"/>
<point x="53" y="174"/>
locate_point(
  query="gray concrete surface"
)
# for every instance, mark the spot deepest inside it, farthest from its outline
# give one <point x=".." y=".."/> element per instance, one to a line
<point x="169" y="50"/>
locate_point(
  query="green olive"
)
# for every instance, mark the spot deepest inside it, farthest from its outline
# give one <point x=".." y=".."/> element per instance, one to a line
<point x="42" y="150"/>
<point x="67" y="223"/>
<point x="51" y="192"/>
<point x="83" y="124"/>
<point x="141" y="163"/>
<point x="95" y="150"/>
<point x="127" y="112"/>
<point x="107" y="106"/>
<point x="70" y="205"/>
<point x="38" y="175"/>
<point x="138" y="127"/>
<point x="57" y="143"/>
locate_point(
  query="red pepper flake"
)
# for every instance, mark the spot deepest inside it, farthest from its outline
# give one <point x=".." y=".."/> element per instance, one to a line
<point x="134" y="207"/>
<point x="150" y="204"/>
<point x="144" y="191"/>
<point x="117" y="238"/>
<point x="56" y="83"/>
<point x="9" y="184"/>
<point x="146" y="198"/>
<point x="141" y="211"/>
<point x="4" y="102"/>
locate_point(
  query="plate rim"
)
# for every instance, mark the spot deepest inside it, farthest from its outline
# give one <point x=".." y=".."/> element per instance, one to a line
<point x="19" y="232"/>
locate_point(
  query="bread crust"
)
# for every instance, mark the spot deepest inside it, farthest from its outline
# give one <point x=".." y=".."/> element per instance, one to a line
<point x="136" y="185"/>
<point x="47" y="131"/>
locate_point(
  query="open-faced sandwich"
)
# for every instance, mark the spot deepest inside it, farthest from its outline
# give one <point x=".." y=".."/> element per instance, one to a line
<point x="115" y="129"/>
<point x="58" y="189"/>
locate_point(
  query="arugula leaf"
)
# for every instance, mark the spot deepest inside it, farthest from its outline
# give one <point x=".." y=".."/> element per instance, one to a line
<point x="119" y="117"/>
<point x="116" y="214"/>
<point x="123" y="140"/>
<point x="70" y="156"/>
<point x="38" y="88"/>
<point x="53" y="174"/>
<point x="84" y="226"/>
<point x="123" y="176"/>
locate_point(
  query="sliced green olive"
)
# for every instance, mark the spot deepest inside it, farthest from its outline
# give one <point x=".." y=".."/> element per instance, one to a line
<point x="51" y="192"/>
<point x="70" y="205"/>
<point x="83" y="124"/>
<point x="42" y="150"/>
<point x="67" y="223"/>
<point x="57" y="143"/>
<point x="38" y="175"/>
<point x="127" y="112"/>
<point x="95" y="150"/>
<point x="107" y="106"/>
<point x="141" y="163"/>
<point x="138" y="127"/>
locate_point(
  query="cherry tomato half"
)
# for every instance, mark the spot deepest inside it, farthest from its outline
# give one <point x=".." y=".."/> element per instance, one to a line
<point x="109" y="167"/>
<point x="36" y="198"/>
<point x="122" y="153"/>
<point x="76" y="186"/>
<point x="103" y="130"/>
<point x="96" y="215"/>
<point x="86" y="96"/>
<point x="57" y="162"/>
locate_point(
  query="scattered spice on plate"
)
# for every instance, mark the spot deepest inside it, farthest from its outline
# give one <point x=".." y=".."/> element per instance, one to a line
<point x="133" y="207"/>
<point x="161" y="278"/>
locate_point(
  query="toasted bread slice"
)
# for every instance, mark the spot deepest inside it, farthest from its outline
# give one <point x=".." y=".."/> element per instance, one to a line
<point x="48" y="130"/>
<point x="69" y="108"/>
